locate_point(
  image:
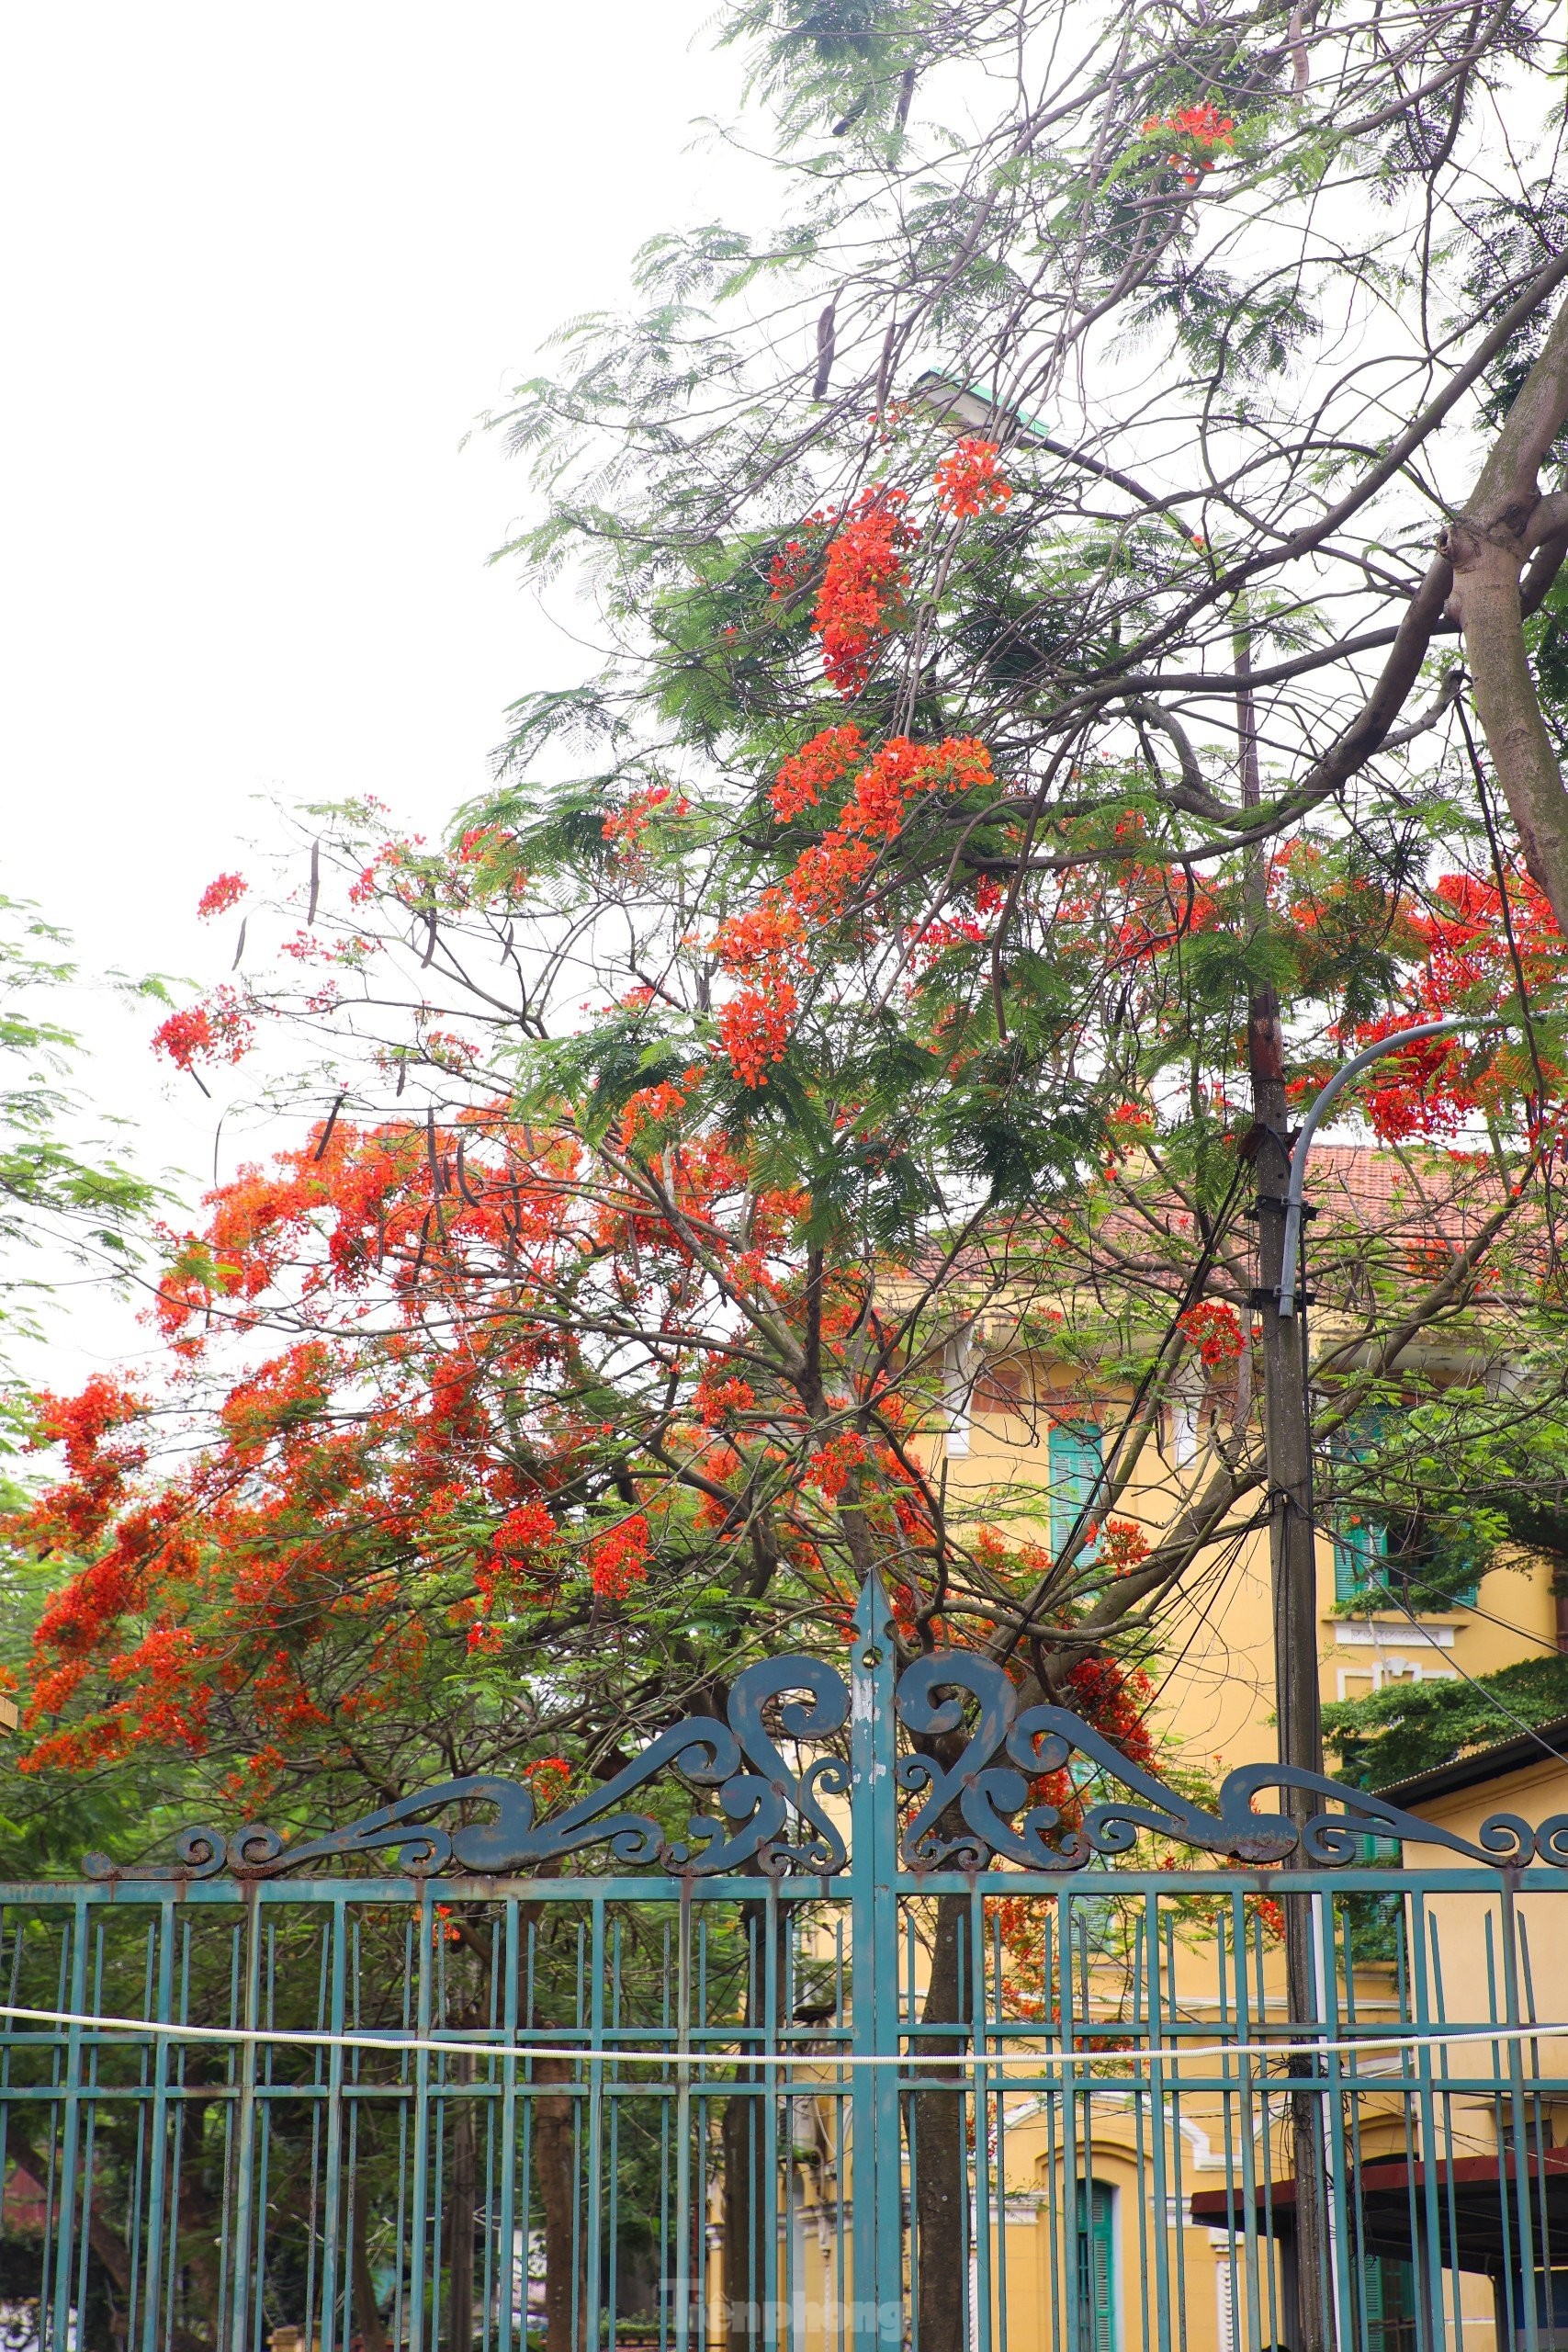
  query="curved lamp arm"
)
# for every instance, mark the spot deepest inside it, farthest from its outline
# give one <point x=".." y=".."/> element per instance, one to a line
<point x="1322" y="1101"/>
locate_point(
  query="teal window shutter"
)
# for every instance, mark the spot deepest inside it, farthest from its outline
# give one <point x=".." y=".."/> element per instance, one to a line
<point x="1360" y="1547"/>
<point x="1383" y="1563"/>
<point x="1097" y="2280"/>
<point x="1076" y="1462"/>
<point x="1390" y="2289"/>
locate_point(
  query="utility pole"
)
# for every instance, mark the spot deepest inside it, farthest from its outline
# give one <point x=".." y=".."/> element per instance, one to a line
<point x="1293" y="1559"/>
<point x="1282" y="1301"/>
<point x="1286" y="1418"/>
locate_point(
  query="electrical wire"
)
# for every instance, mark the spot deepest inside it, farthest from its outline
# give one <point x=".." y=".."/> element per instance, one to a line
<point x="1301" y="2038"/>
<point x="1396" y="1600"/>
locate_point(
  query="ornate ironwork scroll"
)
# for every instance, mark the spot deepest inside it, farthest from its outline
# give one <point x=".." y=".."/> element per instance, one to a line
<point x="767" y="1808"/>
<point x="984" y="1795"/>
<point x="774" y="1812"/>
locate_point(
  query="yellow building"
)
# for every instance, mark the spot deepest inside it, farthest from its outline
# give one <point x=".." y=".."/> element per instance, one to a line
<point x="1124" y="2223"/>
<point x="1021" y="1426"/>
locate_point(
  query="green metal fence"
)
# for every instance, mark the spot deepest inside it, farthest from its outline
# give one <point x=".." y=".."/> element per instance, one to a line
<point x="875" y="2052"/>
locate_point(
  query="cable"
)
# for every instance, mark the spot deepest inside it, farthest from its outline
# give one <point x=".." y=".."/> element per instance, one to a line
<point x="1424" y="2037"/>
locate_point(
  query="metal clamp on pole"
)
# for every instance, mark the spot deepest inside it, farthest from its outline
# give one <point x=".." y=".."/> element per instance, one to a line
<point x="1311" y="1124"/>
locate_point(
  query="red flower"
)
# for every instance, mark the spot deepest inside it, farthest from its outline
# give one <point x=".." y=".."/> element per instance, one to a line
<point x="1199" y="132"/>
<point x="814" y="769"/>
<point x="830" y="1466"/>
<point x="763" y="949"/>
<point x="618" y="1559"/>
<point x="755" y="1028"/>
<point x="720" y="1395"/>
<point x="1434" y="1086"/>
<point x="899" y="772"/>
<point x="218" y="1031"/>
<point x="1213" y="1330"/>
<point x="627" y="825"/>
<point x="968" y="481"/>
<point x="225" y="891"/>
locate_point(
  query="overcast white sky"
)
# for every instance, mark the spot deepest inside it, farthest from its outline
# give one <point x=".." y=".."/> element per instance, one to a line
<point x="262" y="269"/>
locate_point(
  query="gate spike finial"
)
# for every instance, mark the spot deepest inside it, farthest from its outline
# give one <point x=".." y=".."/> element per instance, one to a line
<point x="873" y="1620"/>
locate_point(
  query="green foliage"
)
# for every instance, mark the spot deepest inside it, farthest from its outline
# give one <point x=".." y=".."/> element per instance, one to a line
<point x="83" y="1205"/>
<point x="1407" y="1728"/>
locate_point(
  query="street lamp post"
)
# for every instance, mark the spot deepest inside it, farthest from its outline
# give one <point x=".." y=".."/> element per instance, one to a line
<point x="1292" y="1549"/>
<point x="1314" y="1120"/>
<point x="1287" y="1411"/>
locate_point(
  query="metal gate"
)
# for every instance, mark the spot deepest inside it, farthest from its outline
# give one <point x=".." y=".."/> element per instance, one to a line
<point x="875" y="2051"/>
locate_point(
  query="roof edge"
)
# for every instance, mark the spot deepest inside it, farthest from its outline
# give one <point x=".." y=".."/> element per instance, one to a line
<point x="1548" y="1743"/>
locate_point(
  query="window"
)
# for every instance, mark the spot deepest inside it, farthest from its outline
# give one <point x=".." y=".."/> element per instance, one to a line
<point x="999" y="1387"/>
<point x="1097" y="2278"/>
<point x="1402" y="1558"/>
<point x="1390" y="2289"/>
<point x="1076" y="1463"/>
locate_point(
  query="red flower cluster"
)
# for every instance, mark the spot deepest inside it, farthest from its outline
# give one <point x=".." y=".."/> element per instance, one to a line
<point x="618" y="1559"/>
<point x="1198" y="131"/>
<point x="527" y="1529"/>
<point x="1429" y="1089"/>
<point x="968" y="481"/>
<point x="763" y="949"/>
<point x="863" y="579"/>
<point x="896" y="774"/>
<point x="815" y="769"/>
<point x="481" y="841"/>
<point x="1115" y="1699"/>
<point x="224" y="891"/>
<point x="721" y="1394"/>
<point x="1433" y="1087"/>
<point x="300" y="1566"/>
<point x="1121" y="1547"/>
<point x="830" y="1467"/>
<point x="1214" y="1331"/>
<point x="218" y="1031"/>
<point x="627" y="825"/>
<point x="98" y="1461"/>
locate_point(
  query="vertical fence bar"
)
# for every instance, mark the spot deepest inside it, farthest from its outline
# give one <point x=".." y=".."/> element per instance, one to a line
<point x="161" y="1985"/>
<point x="1519" y="2133"/>
<point x="685" y="2286"/>
<point x="507" y="2217"/>
<point x="873" y="1864"/>
<point x="594" y="2165"/>
<point x="246" y="2060"/>
<point x="972" y="1955"/>
<point x="420" y="2199"/>
<point x="70" y="2151"/>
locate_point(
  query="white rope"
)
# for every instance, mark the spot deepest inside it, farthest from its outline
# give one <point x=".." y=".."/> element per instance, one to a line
<point x="1417" y="2037"/>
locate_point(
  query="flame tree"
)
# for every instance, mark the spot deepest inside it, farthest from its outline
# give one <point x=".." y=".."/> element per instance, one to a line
<point x="1083" y="647"/>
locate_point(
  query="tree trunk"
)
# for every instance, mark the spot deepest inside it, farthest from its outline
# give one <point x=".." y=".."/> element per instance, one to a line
<point x="941" y="2157"/>
<point x="1504" y="521"/>
<point x="751" y="2214"/>
<point x="367" y="2309"/>
<point x="460" y="2220"/>
<point x="566" y="2276"/>
<point x="747" y="2215"/>
<point x="1486" y="598"/>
